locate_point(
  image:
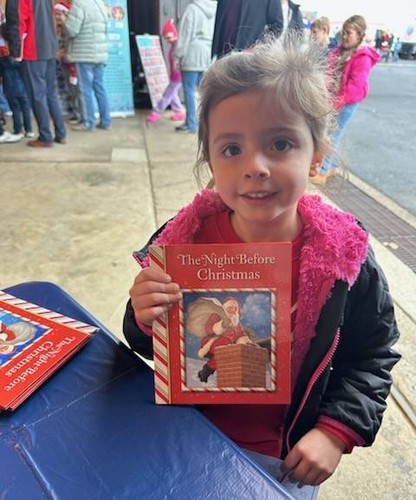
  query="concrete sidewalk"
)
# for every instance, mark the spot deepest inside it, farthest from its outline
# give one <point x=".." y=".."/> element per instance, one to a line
<point x="73" y="215"/>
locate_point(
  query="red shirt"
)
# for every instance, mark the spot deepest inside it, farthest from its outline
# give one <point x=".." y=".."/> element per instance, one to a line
<point x="255" y="427"/>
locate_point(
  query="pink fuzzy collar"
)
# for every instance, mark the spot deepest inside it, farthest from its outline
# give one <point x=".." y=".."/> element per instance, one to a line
<point x="335" y="247"/>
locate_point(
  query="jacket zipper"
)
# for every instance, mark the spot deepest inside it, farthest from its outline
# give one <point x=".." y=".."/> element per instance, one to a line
<point x="317" y="373"/>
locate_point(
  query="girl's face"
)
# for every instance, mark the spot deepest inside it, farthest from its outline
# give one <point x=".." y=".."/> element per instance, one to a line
<point x="261" y="157"/>
<point x="171" y="38"/>
<point x="350" y="37"/>
<point x="59" y="17"/>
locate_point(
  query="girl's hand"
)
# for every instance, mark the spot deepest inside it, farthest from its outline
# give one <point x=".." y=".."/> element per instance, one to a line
<point x="152" y="294"/>
<point x="314" y="458"/>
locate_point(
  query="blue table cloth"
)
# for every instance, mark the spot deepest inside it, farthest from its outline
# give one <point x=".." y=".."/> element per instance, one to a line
<point x="92" y="431"/>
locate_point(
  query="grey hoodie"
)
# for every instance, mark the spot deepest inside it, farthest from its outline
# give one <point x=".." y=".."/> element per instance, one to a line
<point x="196" y="30"/>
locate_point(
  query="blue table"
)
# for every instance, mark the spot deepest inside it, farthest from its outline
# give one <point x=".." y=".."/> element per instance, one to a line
<point x="92" y="431"/>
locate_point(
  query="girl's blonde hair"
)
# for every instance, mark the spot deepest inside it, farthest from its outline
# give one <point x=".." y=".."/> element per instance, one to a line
<point x="291" y="70"/>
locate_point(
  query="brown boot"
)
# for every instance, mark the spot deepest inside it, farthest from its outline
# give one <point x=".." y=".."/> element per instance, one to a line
<point x="37" y="143"/>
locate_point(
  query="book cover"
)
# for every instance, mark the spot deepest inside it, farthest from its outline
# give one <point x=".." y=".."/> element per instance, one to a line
<point x="34" y="343"/>
<point x="228" y="340"/>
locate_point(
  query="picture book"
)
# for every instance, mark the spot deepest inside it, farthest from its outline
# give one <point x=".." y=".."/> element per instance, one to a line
<point x="229" y="338"/>
<point x="34" y="343"/>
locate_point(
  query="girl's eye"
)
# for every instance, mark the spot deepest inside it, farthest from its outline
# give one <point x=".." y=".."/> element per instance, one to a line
<point x="232" y="150"/>
<point x="281" y="145"/>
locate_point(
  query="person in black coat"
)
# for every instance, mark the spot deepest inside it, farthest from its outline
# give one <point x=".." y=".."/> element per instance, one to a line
<point x="240" y="23"/>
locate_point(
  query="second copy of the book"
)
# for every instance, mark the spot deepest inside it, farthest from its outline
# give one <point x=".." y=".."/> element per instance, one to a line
<point x="34" y="343"/>
<point x="228" y="340"/>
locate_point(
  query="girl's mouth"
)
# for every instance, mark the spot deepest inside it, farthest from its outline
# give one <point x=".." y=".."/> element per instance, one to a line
<point x="258" y="195"/>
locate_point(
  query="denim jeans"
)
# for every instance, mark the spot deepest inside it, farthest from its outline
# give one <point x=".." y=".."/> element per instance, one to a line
<point x="190" y="81"/>
<point x="4" y="105"/>
<point x="343" y="119"/>
<point x="20" y="107"/>
<point x="91" y="84"/>
<point x="40" y="80"/>
<point x="14" y="91"/>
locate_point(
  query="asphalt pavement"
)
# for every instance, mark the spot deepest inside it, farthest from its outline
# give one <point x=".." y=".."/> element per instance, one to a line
<point x="380" y="142"/>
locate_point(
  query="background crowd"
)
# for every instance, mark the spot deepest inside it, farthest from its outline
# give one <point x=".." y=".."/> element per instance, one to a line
<point x="53" y="58"/>
<point x="55" y="53"/>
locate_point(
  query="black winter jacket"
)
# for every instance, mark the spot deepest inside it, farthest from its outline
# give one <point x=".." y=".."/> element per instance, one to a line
<point x="239" y="24"/>
<point x="345" y="377"/>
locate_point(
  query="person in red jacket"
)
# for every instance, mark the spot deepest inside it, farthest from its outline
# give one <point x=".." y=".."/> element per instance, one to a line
<point x="30" y="31"/>
<point x="350" y="65"/>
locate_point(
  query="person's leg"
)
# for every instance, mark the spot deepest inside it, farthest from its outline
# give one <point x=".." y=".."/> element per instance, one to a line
<point x="27" y="114"/>
<point x="4" y="105"/>
<point x="175" y="102"/>
<point x="6" y="137"/>
<point x="24" y="102"/>
<point x="101" y="96"/>
<point x="76" y="104"/>
<point x="34" y="74"/>
<point x="54" y="106"/>
<point x="85" y="79"/>
<point x="344" y="117"/>
<point x="166" y="98"/>
<point x="71" y="104"/>
<point x="190" y="100"/>
<point x="17" y="114"/>
<point x="62" y="87"/>
<point x="190" y="82"/>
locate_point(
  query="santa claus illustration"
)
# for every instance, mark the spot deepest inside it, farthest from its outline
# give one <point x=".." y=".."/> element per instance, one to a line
<point x="217" y="324"/>
<point x="15" y="334"/>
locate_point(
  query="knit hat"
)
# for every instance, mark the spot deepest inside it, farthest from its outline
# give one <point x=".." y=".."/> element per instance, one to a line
<point x="169" y="29"/>
<point x="62" y="7"/>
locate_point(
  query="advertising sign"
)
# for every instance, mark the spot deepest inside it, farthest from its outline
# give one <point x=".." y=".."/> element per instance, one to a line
<point x="154" y="66"/>
<point x="118" y="78"/>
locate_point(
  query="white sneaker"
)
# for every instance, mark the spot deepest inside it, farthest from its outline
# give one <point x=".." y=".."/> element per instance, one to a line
<point x="7" y="137"/>
<point x="30" y="135"/>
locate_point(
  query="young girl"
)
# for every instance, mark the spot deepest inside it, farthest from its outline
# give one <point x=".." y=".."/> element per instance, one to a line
<point x="350" y="65"/>
<point x="66" y="73"/>
<point x="263" y="122"/>
<point x="171" y="95"/>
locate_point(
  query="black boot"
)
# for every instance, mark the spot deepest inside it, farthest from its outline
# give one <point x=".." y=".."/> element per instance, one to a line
<point x="205" y="373"/>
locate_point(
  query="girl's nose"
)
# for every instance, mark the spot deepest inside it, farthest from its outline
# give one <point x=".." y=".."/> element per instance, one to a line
<point x="257" y="165"/>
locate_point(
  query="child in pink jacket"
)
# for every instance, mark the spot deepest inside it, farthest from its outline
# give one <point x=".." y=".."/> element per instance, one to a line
<point x="171" y="94"/>
<point x="350" y="65"/>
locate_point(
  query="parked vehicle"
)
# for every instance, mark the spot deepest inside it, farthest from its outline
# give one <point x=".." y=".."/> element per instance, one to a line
<point x="408" y="50"/>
